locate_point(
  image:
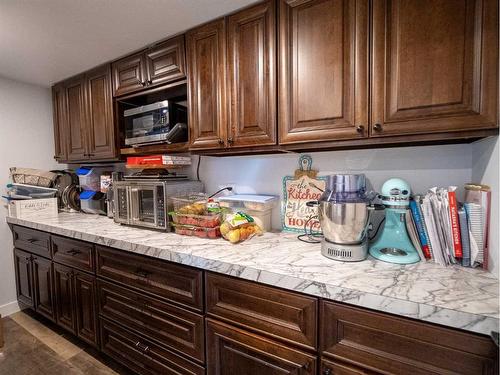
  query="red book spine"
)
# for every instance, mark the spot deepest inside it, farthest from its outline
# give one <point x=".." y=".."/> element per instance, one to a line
<point x="455" y="226"/>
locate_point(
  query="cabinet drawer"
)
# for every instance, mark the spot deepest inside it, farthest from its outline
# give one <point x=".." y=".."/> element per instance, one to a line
<point x="32" y="240"/>
<point x="141" y="355"/>
<point x="74" y="253"/>
<point x="388" y="344"/>
<point x="171" y="326"/>
<point x="268" y="310"/>
<point x="335" y="368"/>
<point x="235" y="351"/>
<point x="173" y="282"/>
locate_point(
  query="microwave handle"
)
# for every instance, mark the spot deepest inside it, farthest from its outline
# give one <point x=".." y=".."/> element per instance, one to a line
<point x="134" y="207"/>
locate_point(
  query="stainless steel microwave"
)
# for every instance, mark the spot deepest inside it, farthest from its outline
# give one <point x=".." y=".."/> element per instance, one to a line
<point x="160" y="122"/>
<point x="145" y="203"/>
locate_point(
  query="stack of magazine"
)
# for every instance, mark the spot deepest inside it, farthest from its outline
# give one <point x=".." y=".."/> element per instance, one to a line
<point x="450" y="232"/>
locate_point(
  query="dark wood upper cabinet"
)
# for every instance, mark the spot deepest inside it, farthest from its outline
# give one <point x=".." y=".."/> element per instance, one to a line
<point x="43" y="287"/>
<point x="251" y="46"/>
<point x="59" y="114"/>
<point x="161" y="63"/>
<point x="206" y="55"/>
<point x="75" y="131"/>
<point x="323" y="50"/>
<point x="435" y="66"/>
<point x="166" y="61"/>
<point x="129" y="74"/>
<point x="233" y="351"/>
<point x="24" y="278"/>
<point x="101" y="127"/>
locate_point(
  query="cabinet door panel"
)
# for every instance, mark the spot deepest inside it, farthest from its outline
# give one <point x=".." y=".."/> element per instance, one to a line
<point x="206" y="65"/>
<point x="252" y="75"/>
<point x="24" y="279"/>
<point x="233" y="351"/>
<point x="129" y="74"/>
<point x="166" y="62"/>
<point x="435" y="66"/>
<point x="60" y="120"/>
<point x="85" y="307"/>
<point x="43" y="287"/>
<point x="76" y="114"/>
<point x="64" y="297"/>
<point x="323" y="70"/>
<point x="101" y="128"/>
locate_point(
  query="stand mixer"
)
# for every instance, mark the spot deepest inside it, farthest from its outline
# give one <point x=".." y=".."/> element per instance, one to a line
<point x="394" y="244"/>
<point x="344" y="213"/>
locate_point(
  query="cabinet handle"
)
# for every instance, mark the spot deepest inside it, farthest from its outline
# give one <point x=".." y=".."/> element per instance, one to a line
<point x="150" y="82"/>
<point x="230" y="141"/>
<point x="327" y="372"/>
<point x="142" y="273"/>
<point x="31" y="240"/>
<point x="360" y="129"/>
<point x="142" y="347"/>
<point x="27" y="259"/>
<point x="73" y="252"/>
<point x="377" y="127"/>
<point x="221" y="142"/>
<point x="143" y="83"/>
<point x="90" y="155"/>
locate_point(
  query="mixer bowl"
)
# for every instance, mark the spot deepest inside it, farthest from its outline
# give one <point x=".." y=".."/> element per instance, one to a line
<point x="344" y="223"/>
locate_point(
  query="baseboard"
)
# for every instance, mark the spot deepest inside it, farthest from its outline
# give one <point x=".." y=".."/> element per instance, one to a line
<point x="9" y="308"/>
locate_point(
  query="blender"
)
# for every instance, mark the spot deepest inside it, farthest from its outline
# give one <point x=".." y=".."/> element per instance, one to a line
<point x="344" y="213"/>
<point x="394" y="244"/>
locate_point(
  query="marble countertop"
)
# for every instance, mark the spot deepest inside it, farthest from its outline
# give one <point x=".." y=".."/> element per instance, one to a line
<point x="454" y="296"/>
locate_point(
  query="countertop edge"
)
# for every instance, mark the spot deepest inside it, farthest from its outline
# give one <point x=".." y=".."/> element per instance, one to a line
<point x="471" y="322"/>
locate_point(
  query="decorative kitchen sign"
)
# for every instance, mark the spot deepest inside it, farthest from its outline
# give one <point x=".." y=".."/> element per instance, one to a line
<point x="299" y="189"/>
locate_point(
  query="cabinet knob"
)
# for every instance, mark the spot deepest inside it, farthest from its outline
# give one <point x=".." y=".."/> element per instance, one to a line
<point x="360" y="129"/>
<point x="230" y="141"/>
<point x="377" y="127"/>
<point x="327" y="371"/>
<point x="150" y="82"/>
<point x="143" y="83"/>
<point x="221" y="142"/>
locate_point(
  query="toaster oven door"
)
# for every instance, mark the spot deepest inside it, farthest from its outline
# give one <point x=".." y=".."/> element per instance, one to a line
<point x="143" y="202"/>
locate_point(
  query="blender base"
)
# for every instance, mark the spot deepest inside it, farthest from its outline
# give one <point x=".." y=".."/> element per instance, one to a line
<point x="344" y="253"/>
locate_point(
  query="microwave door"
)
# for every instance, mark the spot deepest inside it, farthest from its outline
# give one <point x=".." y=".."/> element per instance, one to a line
<point x="144" y="208"/>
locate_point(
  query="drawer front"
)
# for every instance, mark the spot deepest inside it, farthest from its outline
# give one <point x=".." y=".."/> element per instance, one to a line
<point x="173" y="282"/>
<point x="270" y="311"/>
<point x="235" y="351"/>
<point x="176" y="328"/>
<point x="335" y="368"/>
<point x="32" y="240"/>
<point x="74" y="253"/>
<point x="141" y="355"/>
<point x="396" y="345"/>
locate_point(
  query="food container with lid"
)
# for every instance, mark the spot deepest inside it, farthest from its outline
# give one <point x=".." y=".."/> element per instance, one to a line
<point x="205" y="221"/>
<point x="254" y="202"/>
<point x="191" y="230"/>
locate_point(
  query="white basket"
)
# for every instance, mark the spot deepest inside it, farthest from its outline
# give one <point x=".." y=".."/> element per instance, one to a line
<point x="25" y="209"/>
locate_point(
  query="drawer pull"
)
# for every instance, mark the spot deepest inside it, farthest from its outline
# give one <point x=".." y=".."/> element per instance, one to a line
<point x="142" y="347"/>
<point x="142" y="273"/>
<point x="31" y="240"/>
<point x="327" y="371"/>
<point x="73" y="252"/>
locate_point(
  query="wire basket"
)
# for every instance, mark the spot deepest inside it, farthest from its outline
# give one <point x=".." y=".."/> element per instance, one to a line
<point x="34" y="177"/>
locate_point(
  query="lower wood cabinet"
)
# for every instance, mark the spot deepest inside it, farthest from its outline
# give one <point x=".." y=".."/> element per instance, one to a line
<point x="43" y="287"/>
<point x="75" y="295"/>
<point x="234" y="351"/>
<point x="24" y="278"/>
<point x="142" y="355"/>
<point x="334" y="368"/>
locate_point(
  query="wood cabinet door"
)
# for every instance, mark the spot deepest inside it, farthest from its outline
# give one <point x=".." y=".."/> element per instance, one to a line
<point x="43" y="287"/>
<point x="232" y="351"/>
<point x="435" y="66"/>
<point x="24" y="278"/>
<point x="166" y="62"/>
<point x="76" y="129"/>
<point x="101" y="127"/>
<point x="60" y="122"/>
<point x="85" y="307"/>
<point x="251" y="38"/>
<point x="129" y="74"/>
<point x="64" y="297"/>
<point x="323" y="92"/>
<point x="206" y="58"/>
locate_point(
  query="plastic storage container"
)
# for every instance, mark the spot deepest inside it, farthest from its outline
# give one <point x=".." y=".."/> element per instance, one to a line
<point x="257" y="206"/>
<point x="93" y="202"/>
<point x="90" y="177"/>
<point x="205" y="221"/>
<point x="190" y="230"/>
<point x="191" y="204"/>
<point x="30" y="191"/>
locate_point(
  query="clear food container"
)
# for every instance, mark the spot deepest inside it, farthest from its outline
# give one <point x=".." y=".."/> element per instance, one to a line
<point x="205" y="221"/>
<point x="253" y="202"/>
<point x="191" y="230"/>
<point x="190" y="204"/>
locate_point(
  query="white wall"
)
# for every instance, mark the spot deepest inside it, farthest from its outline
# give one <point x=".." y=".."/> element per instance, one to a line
<point x="26" y="140"/>
<point x="485" y="170"/>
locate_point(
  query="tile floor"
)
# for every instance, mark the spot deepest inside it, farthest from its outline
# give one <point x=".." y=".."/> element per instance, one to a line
<point x="33" y="348"/>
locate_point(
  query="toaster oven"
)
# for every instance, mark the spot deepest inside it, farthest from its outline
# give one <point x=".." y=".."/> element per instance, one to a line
<point x="145" y="203"/>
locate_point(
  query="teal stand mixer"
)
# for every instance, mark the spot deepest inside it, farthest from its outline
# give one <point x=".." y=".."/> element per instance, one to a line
<point x="394" y="244"/>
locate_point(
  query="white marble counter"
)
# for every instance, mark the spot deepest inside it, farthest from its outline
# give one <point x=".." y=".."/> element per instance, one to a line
<point x="455" y="296"/>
